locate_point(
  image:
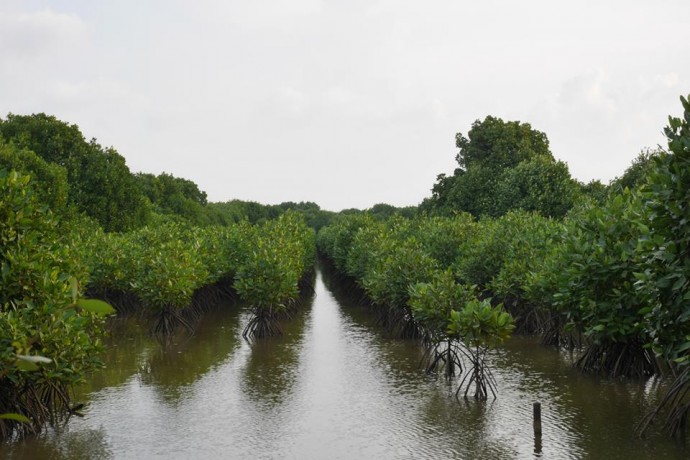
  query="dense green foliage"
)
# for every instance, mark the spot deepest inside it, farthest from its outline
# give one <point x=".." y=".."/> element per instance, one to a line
<point x="175" y="196"/>
<point x="480" y="324"/>
<point x="40" y="283"/>
<point x="666" y="198"/>
<point x="236" y="211"/>
<point x="100" y="183"/>
<point x="499" y="145"/>
<point x="539" y="184"/>
<point x="638" y="172"/>
<point x="504" y="166"/>
<point x="162" y="266"/>
<point x="594" y="285"/>
<point x="281" y="256"/>
<point x="433" y="302"/>
<point x="49" y="181"/>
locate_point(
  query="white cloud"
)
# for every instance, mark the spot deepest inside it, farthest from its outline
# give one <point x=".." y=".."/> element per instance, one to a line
<point x="27" y="37"/>
<point x="600" y="120"/>
<point x="670" y="79"/>
<point x="254" y="14"/>
<point x="41" y="50"/>
<point x="293" y="100"/>
<point x="343" y="103"/>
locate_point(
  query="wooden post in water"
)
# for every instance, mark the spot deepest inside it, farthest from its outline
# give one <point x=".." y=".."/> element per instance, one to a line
<point x="536" y="424"/>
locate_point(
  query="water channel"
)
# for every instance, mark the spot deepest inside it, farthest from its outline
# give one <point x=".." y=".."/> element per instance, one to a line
<point x="334" y="386"/>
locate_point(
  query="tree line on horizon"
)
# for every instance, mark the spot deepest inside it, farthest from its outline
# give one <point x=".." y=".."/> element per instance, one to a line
<point x="502" y="166"/>
<point x="76" y="176"/>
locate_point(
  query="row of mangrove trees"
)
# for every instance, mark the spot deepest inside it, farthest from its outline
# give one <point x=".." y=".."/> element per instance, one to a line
<point x="54" y="265"/>
<point x="608" y="273"/>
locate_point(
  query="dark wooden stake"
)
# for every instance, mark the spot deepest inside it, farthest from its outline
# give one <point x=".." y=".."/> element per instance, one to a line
<point x="536" y="424"/>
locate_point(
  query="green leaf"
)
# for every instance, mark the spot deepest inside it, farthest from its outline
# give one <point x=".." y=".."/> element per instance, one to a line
<point x="683" y="347"/>
<point x="644" y="310"/>
<point x="96" y="306"/>
<point x="15" y="417"/>
<point x="679" y="283"/>
<point x="26" y="366"/>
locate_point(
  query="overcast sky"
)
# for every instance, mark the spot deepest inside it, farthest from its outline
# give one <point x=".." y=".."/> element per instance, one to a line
<point x="346" y="103"/>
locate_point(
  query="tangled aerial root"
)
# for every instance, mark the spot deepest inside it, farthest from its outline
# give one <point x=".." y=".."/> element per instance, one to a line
<point x="261" y="326"/>
<point x="444" y="355"/>
<point x="677" y="402"/>
<point x="42" y="403"/>
<point x="480" y="376"/>
<point x="168" y="321"/>
<point x="265" y="321"/>
<point x="629" y="359"/>
<point x="399" y="322"/>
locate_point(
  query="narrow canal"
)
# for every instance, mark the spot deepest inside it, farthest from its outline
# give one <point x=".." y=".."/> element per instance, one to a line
<point x="335" y="386"/>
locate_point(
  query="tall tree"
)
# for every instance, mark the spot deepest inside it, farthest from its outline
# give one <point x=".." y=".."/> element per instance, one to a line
<point x="48" y="180"/>
<point x="174" y="195"/>
<point x="503" y="166"/>
<point x="638" y="172"/>
<point x="100" y="183"/>
<point x="497" y="144"/>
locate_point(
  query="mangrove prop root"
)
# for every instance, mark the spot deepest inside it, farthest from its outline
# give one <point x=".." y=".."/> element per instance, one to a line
<point x="529" y="319"/>
<point x="263" y="323"/>
<point x="630" y="359"/>
<point x="554" y="333"/>
<point x="479" y="376"/>
<point x="399" y="322"/>
<point x="41" y="403"/>
<point x="443" y="356"/>
<point x="168" y="321"/>
<point x="677" y="403"/>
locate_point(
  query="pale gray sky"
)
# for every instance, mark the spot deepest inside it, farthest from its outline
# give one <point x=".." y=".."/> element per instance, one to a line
<point x="345" y="103"/>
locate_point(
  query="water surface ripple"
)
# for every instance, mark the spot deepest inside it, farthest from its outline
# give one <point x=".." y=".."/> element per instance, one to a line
<point x="334" y="386"/>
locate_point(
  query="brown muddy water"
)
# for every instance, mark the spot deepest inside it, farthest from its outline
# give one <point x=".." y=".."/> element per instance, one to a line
<point x="336" y="387"/>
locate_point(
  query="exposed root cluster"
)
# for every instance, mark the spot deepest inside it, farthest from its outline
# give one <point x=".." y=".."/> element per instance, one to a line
<point x="399" y="322"/>
<point x="41" y="404"/>
<point x="264" y="322"/>
<point x="168" y="321"/>
<point x="443" y="356"/>
<point x="480" y="377"/>
<point x="676" y="403"/>
<point x="452" y="357"/>
<point x="629" y="359"/>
